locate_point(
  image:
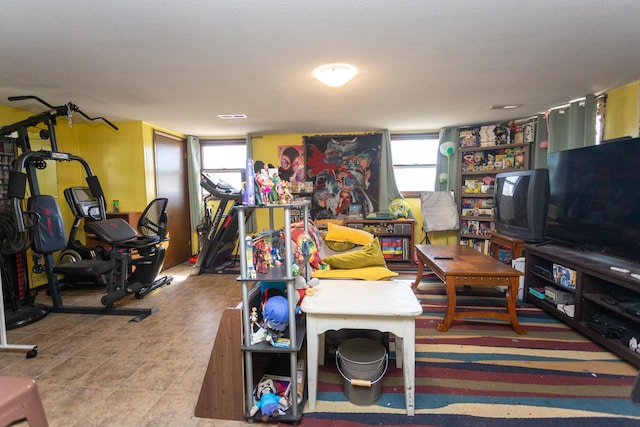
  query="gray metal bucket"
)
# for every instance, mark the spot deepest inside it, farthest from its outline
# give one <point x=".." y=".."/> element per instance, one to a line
<point x="362" y="363"/>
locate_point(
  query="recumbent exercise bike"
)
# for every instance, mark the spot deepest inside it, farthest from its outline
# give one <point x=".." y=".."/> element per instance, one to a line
<point x="147" y="247"/>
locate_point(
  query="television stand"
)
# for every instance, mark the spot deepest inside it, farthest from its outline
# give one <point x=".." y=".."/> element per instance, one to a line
<point x="515" y="245"/>
<point x="597" y="290"/>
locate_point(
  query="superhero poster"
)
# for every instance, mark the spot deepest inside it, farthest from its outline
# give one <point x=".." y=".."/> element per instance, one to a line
<point x="291" y="163"/>
<point x="345" y="172"/>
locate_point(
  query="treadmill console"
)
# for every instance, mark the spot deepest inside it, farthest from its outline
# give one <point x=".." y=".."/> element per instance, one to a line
<point x="219" y="188"/>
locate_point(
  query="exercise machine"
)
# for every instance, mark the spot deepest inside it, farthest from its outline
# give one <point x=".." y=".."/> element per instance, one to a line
<point x="42" y="221"/>
<point x="4" y="345"/>
<point x="84" y="206"/>
<point x="147" y="247"/>
<point x="20" y="308"/>
<point x="221" y="235"/>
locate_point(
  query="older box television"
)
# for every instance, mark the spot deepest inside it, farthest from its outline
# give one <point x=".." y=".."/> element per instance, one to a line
<point x="520" y="201"/>
<point x="594" y="204"/>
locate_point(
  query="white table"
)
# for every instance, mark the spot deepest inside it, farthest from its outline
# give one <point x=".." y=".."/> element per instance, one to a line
<point x="386" y="306"/>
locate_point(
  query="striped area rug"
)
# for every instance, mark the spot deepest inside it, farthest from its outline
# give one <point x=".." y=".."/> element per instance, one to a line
<point x="481" y="373"/>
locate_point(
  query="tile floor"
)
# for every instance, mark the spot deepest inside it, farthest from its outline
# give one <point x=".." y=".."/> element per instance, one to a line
<point x="98" y="370"/>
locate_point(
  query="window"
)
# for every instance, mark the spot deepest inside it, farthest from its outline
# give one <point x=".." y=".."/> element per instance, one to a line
<point x="414" y="161"/>
<point x="226" y="158"/>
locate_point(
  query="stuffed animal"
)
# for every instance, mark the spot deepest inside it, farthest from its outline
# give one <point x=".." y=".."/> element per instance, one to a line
<point x="267" y="400"/>
<point x="304" y="288"/>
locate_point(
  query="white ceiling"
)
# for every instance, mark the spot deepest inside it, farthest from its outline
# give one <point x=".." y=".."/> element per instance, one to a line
<point x="424" y="64"/>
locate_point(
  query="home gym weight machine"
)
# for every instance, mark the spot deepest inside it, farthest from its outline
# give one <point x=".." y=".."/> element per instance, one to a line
<point x="42" y="220"/>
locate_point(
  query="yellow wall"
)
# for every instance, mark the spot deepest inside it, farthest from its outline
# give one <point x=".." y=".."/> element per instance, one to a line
<point x="621" y="117"/>
<point x="117" y="159"/>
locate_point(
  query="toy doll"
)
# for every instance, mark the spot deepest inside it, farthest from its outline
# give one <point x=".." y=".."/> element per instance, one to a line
<point x="267" y="400"/>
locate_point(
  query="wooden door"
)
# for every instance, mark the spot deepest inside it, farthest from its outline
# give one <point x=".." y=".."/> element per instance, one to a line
<point x="172" y="183"/>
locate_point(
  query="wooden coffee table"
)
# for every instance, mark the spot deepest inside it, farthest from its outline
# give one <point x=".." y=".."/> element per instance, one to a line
<point x="461" y="265"/>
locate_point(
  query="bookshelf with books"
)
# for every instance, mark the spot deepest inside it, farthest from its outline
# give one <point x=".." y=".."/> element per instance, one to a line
<point x="483" y="152"/>
<point x="396" y="239"/>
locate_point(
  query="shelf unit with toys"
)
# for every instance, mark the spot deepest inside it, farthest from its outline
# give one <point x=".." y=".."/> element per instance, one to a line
<point x="396" y="239"/>
<point x="484" y="152"/>
<point x="280" y="357"/>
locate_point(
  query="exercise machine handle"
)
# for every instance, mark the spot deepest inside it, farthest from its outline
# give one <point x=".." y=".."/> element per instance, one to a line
<point x="54" y="112"/>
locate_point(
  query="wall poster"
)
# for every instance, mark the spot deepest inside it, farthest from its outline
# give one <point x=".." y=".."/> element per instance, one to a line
<point x="291" y="159"/>
<point x="345" y="170"/>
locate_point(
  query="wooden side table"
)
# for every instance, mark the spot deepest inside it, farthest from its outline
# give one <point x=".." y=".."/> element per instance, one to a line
<point x="515" y="245"/>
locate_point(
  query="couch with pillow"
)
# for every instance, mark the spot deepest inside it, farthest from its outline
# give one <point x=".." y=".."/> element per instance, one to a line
<point x="343" y="252"/>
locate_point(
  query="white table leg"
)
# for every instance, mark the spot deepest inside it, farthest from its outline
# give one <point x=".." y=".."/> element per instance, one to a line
<point x="321" y="349"/>
<point x="399" y="351"/>
<point x="409" y="363"/>
<point x="312" y="360"/>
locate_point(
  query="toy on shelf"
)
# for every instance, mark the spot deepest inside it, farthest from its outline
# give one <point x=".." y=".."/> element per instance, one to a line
<point x="286" y="197"/>
<point x="267" y="400"/>
<point x="251" y="269"/>
<point x="304" y="288"/>
<point x="266" y="251"/>
<point x="264" y="184"/>
<point x="275" y="314"/>
<point x="258" y="334"/>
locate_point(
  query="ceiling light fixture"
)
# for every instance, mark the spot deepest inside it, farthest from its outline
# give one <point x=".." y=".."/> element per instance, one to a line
<point x="335" y="75"/>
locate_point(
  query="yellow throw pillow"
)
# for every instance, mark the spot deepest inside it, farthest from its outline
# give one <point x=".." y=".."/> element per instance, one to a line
<point x="339" y="246"/>
<point x="340" y="233"/>
<point x="369" y="256"/>
<point x="365" y="273"/>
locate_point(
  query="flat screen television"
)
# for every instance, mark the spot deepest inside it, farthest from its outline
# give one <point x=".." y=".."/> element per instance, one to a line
<point x="520" y="201"/>
<point x="594" y="200"/>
